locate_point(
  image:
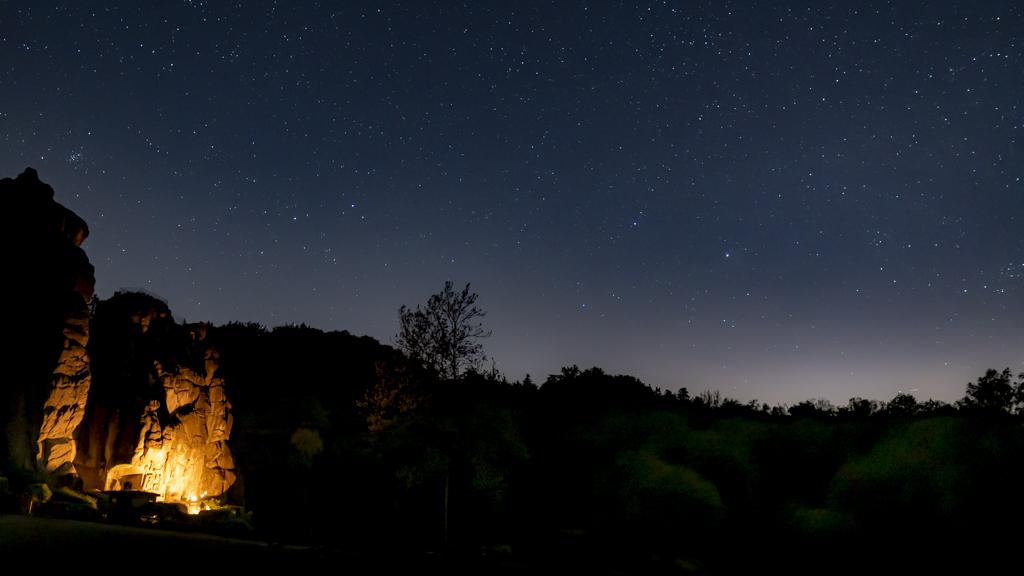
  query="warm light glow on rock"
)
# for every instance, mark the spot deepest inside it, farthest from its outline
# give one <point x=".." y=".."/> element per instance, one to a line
<point x="189" y="454"/>
<point x="65" y="402"/>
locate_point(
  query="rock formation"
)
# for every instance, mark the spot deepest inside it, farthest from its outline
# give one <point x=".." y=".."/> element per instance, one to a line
<point x="65" y="402"/>
<point x="47" y="389"/>
<point x="159" y="417"/>
<point x="129" y="332"/>
<point x="120" y="395"/>
<point x="188" y="456"/>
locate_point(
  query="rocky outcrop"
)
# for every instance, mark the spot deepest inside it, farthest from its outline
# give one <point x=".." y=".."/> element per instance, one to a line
<point x="122" y="395"/>
<point x="65" y="403"/>
<point x="187" y="456"/>
<point x="159" y="416"/>
<point x="48" y="384"/>
<point x="130" y="331"/>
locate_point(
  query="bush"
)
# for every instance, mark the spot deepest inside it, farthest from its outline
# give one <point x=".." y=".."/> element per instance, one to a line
<point x="67" y="503"/>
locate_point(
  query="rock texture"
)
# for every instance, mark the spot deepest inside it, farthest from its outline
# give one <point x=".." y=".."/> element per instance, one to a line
<point x="48" y="386"/>
<point x="118" y="393"/>
<point x="188" y="455"/>
<point x="65" y="403"/>
<point x="129" y="332"/>
<point x="160" y="417"/>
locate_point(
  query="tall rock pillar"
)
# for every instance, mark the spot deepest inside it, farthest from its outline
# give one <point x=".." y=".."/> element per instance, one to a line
<point x="44" y="393"/>
<point x="65" y="402"/>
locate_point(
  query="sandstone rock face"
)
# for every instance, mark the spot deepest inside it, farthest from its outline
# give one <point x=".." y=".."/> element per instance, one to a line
<point x="45" y="392"/>
<point x="65" y="404"/>
<point x="127" y="396"/>
<point x="159" y="417"/>
<point x="188" y="456"/>
<point x="129" y="332"/>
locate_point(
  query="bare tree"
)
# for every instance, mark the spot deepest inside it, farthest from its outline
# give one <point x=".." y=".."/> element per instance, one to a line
<point x="711" y="399"/>
<point x="443" y="334"/>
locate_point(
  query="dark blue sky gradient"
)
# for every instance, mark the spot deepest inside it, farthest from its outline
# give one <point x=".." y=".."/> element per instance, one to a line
<point x="781" y="202"/>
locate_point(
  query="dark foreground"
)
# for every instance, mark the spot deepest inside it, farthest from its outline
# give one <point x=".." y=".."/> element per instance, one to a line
<point x="24" y="536"/>
<point x="32" y="537"/>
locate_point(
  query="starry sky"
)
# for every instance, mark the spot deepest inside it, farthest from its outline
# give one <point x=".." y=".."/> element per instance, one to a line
<point x="779" y="200"/>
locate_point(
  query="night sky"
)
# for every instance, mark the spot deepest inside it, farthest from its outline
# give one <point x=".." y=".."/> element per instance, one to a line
<point x="781" y="201"/>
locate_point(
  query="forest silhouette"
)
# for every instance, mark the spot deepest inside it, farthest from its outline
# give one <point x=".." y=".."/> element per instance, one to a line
<point x="342" y="442"/>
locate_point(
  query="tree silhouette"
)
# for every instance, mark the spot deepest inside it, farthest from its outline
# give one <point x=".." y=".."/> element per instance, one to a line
<point x="710" y="399"/>
<point x="902" y="405"/>
<point x="443" y="335"/>
<point x="992" y="391"/>
<point x="813" y="408"/>
<point x="1018" y="394"/>
<point x="859" y="408"/>
<point x="936" y="408"/>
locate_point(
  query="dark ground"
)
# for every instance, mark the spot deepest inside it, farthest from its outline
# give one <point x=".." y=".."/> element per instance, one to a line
<point x="34" y="538"/>
<point x="31" y="537"/>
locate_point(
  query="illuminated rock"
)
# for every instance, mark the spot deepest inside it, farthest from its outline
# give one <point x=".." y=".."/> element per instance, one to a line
<point x="188" y="456"/>
<point x="128" y="332"/>
<point x="44" y="397"/>
<point x="84" y="394"/>
<point x="65" y="404"/>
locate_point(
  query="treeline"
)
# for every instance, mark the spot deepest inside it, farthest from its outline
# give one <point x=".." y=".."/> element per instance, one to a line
<point x="994" y="392"/>
<point x="344" y="443"/>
